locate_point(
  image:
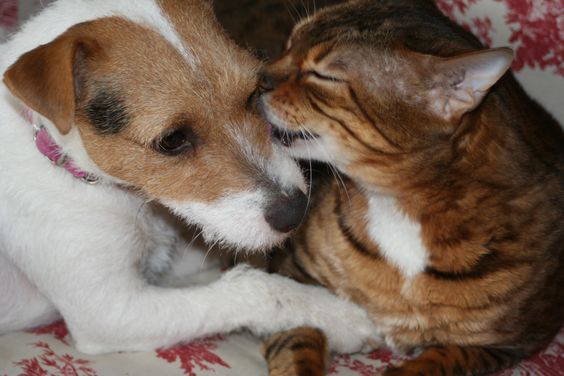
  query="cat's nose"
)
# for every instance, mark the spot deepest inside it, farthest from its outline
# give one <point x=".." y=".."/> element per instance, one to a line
<point x="266" y="82"/>
<point x="269" y="81"/>
<point x="286" y="211"/>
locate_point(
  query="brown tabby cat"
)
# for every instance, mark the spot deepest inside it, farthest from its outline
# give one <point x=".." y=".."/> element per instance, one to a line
<point x="450" y="231"/>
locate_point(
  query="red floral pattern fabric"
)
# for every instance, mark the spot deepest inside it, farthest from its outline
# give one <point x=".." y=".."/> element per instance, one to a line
<point x="549" y="362"/>
<point x="8" y="13"/>
<point x="199" y="354"/>
<point x="50" y="354"/>
<point x="58" y="330"/>
<point x="190" y="358"/>
<point x="535" y="30"/>
<point x="50" y="363"/>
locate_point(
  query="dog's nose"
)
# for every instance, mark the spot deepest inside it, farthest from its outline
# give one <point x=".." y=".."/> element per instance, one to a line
<point x="286" y="212"/>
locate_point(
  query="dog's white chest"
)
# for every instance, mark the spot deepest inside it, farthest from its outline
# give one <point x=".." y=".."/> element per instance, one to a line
<point x="398" y="237"/>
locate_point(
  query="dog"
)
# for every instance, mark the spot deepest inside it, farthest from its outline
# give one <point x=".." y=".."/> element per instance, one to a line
<point x="106" y="106"/>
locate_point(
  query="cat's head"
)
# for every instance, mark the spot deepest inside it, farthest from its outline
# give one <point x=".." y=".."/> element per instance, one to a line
<point x="369" y="81"/>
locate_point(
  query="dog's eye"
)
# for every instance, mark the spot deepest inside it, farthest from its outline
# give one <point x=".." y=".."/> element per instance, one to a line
<point x="176" y="141"/>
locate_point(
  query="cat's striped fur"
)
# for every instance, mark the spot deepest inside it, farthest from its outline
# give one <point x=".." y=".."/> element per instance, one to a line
<point x="299" y="351"/>
<point x="448" y="226"/>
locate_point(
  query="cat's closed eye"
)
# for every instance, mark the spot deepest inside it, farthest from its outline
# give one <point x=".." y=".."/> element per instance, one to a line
<point x="320" y="76"/>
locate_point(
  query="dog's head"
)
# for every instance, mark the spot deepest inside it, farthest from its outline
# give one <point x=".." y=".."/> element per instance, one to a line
<point x="164" y="110"/>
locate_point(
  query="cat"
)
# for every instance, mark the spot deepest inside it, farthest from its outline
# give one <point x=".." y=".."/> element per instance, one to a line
<point x="448" y="223"/>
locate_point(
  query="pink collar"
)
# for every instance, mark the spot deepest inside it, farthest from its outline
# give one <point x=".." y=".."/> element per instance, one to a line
<point x="49" y="148"/>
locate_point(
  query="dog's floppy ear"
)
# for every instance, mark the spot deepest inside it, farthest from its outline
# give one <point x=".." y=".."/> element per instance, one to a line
<point x="49" y="78"/>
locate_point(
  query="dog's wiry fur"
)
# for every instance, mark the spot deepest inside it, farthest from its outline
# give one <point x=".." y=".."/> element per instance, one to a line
<point x="109" y="79"/>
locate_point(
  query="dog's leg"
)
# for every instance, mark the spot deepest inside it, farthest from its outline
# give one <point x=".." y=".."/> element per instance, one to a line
<point x="91" y="273"/>
<point x="124" y="315"/>
<point x="21" y="304"/>
<point x="109" y="307"/>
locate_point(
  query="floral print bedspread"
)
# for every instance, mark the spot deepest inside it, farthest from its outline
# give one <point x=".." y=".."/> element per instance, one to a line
<point x="48" y="352"/>
<point x="535" y="30"/>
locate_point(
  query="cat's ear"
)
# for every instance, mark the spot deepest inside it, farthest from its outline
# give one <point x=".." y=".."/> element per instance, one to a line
<point x="460" y="83"/>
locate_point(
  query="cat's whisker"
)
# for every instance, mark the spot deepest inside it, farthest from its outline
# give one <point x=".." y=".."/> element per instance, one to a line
<point x="195" y="238"/>
<point x="334" y="171"/>
<point x="304" y="134"/>
<point x="210" y="248"/>
<point x="342" y="182"/>
<point x="292" y="11"/>
<point x="306" y="8"/>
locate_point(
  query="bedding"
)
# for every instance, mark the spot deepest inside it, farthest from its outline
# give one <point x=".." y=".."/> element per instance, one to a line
<point x="534" y="28"/>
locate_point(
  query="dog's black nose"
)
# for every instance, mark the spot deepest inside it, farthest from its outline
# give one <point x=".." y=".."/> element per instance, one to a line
<point x="286" y="212"/>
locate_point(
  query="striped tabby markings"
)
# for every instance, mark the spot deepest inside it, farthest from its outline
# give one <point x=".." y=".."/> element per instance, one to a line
<point x="316" y="100"/>
<point x="348" y="234"/>
<point x="457" y="360"/>
<point x="318" y="95"/>
<point x="297" y="352"/>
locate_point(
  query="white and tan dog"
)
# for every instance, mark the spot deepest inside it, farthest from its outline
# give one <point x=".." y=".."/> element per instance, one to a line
<point x="147" y="99"/>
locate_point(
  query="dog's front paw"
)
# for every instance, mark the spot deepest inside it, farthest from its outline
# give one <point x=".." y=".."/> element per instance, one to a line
<point x="348" y="328"/>
<point x="280" y="303"/>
